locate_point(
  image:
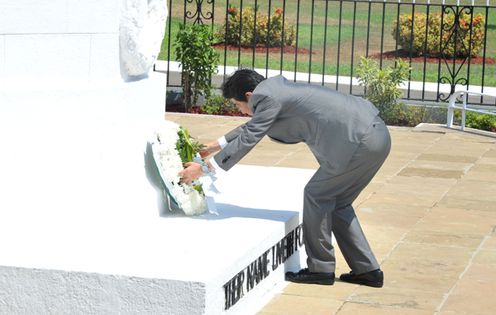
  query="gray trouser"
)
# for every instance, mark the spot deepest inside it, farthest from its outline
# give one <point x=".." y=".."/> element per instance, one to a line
<point x="327" y="206"/>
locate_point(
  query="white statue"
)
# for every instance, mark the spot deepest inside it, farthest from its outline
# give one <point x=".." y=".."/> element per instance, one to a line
<point x="142" y="29"/>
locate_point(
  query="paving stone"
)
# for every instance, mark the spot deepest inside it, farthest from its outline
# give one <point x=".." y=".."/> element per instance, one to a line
<point x="451" y="238"/>
<point x="406" y="198"/>
<point x="446" y="158"/>
<point x="475" y="150"/>
<point x="396" y="161"/>
<point x="273" y="146"/>
<point x="387" y="172"/>
<point x="410" y="147"/>
<point x="490" y="243"/>
<point x="421" y="186"/>
<point x="470" y="204"/>
<point x="480" y="167"/>
<point x="302" y="155"/>
<point x="364" y="195"/>
<point x="392" y="297"/>
<point x="293" y="162"/>
<point x="413" y="136"/>
<point x="398" y="155"/>
<point x="414" y="269"/>
<point x="430" y="172"/>
<point x="257" y="159"/>
<point x="453" y="313"/>
<point x="487" y="160"/>
<point x="431" y="127"/>
<point x="441" y="165"/>
<point x="482" y="172"/>
<point x="341" y="265"/>
<point x="442" y="255"/>
<point x="480" y="176"/>
<point x="172" y="117"/>
<point x="467" y="139"/>
<point x="467" y="222"/>
<point x="286" y="304"/>
<point x="382" y="250"/>
<point x="375" y="216"/>
<point x="425" y="267"/>
<point x="379" y="205"/>
<point x="273" y="152"/>
<point x="373" y="309"/>
<point x="474" y="293"/>
<point x="459" y="136"/>
<point x="269" y="154"/>
<point x="338" y="291"/>
<point x="382" y="238"/>
<point x="435" y="281"/>
<point x="490" y="153"/>
<point x="374" y="186"/>
<point x="474" y="190"/>
<point x="485" y="257"/>
<point x="276" y="155"/>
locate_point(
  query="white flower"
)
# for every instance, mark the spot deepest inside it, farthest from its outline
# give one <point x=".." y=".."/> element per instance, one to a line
<point x="169" y="163"/>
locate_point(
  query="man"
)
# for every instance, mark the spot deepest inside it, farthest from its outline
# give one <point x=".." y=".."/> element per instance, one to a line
<point x="350" y="143"/>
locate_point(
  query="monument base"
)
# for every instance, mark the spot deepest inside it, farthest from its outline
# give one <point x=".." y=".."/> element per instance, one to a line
<point x="226" y="263"/>
<point x="83" y="230"/>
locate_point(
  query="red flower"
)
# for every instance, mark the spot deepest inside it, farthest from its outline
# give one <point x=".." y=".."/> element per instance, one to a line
<point x="279" y="11"/>
<point x="232" y="11"/>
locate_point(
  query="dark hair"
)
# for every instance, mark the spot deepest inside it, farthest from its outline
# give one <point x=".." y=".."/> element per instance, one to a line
<point x="240" y="82"/>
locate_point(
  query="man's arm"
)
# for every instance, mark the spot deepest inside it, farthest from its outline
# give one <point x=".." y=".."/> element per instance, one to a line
<point x="266" y="112"/>
<point x="244" y="138"/>
<point x="217" y="145"/>
<point x="233" y="134"/>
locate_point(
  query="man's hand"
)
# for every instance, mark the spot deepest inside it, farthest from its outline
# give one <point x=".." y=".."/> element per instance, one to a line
<point x="204" y="152"/>
<point x="190" y="173"/>
<point x="210" y="148"/>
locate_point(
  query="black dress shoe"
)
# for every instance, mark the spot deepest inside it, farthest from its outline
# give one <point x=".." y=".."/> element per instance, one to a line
<point x="373" y="278"/>
<point x="305" y="276"/>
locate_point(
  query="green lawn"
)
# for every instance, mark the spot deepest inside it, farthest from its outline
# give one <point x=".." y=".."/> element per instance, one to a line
<point x="312" y="38"/>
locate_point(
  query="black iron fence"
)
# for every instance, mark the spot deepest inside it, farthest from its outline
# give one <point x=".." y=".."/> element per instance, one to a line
<point x="448" y="44"/>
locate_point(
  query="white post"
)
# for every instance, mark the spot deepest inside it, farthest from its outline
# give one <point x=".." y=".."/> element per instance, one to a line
<point x="464" y="110"/>
<point x="451" y="109"/>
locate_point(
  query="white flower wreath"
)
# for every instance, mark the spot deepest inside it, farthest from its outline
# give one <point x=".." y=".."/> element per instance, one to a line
<point x="170" y="138"/>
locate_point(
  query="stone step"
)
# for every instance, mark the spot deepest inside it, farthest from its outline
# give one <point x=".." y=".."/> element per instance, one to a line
<point x="231" y="262"/>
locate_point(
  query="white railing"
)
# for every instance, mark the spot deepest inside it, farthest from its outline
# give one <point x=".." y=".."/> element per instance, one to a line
<point x="465" y="106"/>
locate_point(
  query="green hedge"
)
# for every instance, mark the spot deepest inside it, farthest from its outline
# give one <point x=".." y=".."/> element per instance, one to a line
<point x="272" y="37"/>
<point x="477" y="120"/>
<point x="459" y="45"/>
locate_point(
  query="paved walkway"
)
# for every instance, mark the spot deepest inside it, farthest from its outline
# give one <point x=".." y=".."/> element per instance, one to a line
<point x="429" y="215"/>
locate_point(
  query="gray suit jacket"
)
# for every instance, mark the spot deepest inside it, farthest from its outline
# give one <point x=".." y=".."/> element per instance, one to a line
<point x="329" y="122"/>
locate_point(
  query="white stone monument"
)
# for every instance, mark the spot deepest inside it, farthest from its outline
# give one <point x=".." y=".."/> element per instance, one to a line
<point x="82" y="226"/>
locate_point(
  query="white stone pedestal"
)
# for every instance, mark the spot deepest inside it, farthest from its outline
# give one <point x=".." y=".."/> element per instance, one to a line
<point x="83" y="230"/>
<point x="128" y="259"/>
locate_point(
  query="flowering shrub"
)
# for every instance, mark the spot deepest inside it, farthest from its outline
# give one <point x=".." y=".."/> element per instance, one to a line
<point x="232" y="11"/>
<point x="218" y="105"/>
<point x="261" y="32"/>
<point x="198" y="60"/>
<point x="382" y="89"/>
<point x="452" y="46"/>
